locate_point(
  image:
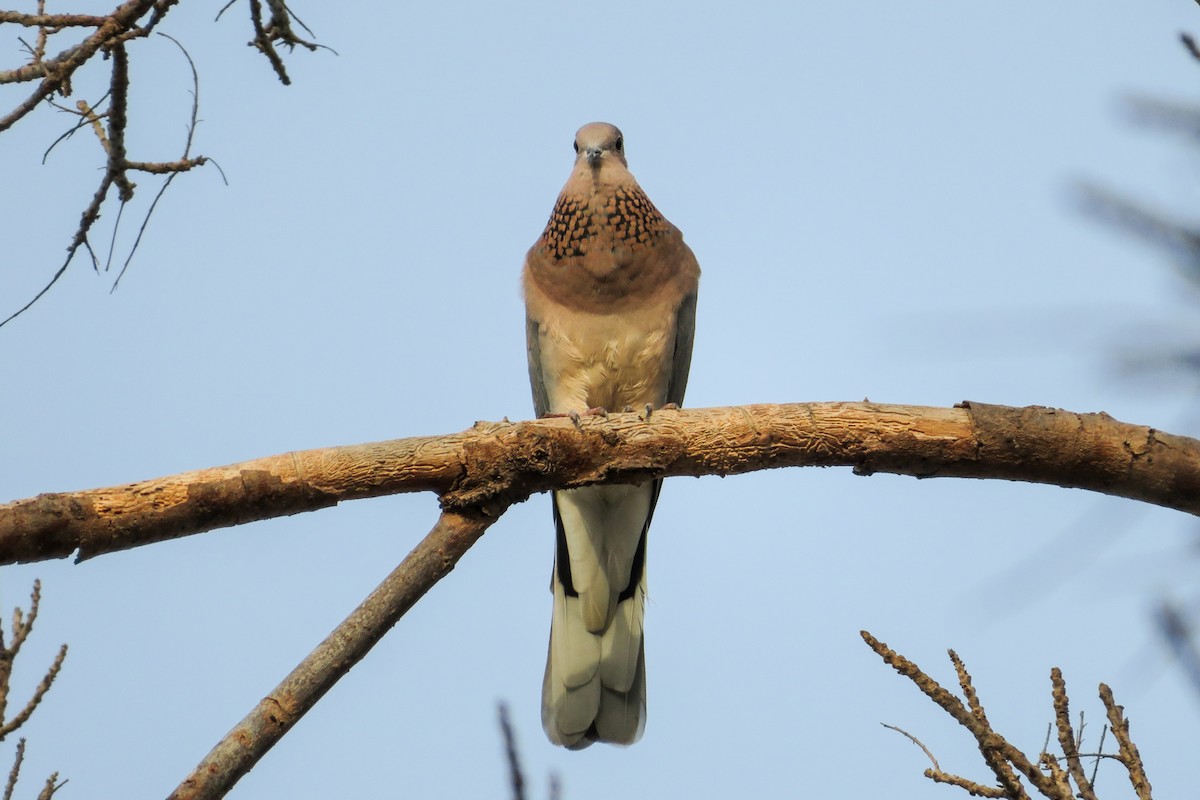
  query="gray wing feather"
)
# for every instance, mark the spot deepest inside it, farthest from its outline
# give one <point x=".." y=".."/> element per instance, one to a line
<point x="533" y="344"/>
<point x="681" y="363"/>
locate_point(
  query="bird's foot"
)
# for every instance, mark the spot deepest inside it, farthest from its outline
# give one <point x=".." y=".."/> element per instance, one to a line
<point x="575" y="416"/>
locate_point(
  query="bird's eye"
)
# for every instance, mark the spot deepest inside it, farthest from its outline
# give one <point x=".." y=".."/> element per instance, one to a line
<point x="577" y="147"/>
<point x="620" y="143"/>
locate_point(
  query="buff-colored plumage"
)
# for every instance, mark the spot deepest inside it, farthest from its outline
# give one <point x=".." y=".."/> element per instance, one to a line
<point x="610" y="298"/>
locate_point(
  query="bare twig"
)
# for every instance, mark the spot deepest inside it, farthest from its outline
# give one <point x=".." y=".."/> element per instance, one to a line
<point x="44" y="20"/>
<point x="936" y="774"/>
<point x="937" y="767"/>
<point x="1048" y="776"/>
<point x="132" y="19"/>
<point x="1190" y="44"/>
<point x="110" y="127"/>
<point x="38" y="693"/>
<point x="52" y="786"/>
<point x="515" y="776"/>
<point x="21" y="626"/>
<point x="1127" y="750"/>
<point x="14" y="773"/>
<point x="1175" y="629"/>
<point x="83" y="110"/>
<point x="1066" y="736"/>
<point x="277" y="28"/>
<point x="428" y="563"/>
<point x="1152" y="226"/>
<point x="1099" y="754"/>
<point x="993" y="756"/>
<point x="117" y="120"/>
<point x="971" y="787"/>
<point x="56" y="73"/>
<point x="171" y="169"/>
<point x="952" y="706"/>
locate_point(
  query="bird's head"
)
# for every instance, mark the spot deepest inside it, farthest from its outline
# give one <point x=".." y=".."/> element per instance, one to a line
<point x="597" y="143"/>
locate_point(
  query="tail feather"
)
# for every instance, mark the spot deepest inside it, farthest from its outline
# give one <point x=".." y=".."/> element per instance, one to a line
<point x="595" y="683"/>
<point x="574" y="651"/>
<point x="621" y="645"/>
<point x="622" y="715"/>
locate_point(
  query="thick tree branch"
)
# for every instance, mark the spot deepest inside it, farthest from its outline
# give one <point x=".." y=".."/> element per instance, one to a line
<point x="497" y="464"/>
<point x="274" y="716"/>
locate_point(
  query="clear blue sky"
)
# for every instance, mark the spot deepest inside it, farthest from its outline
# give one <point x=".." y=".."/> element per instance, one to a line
<point x="878" y="194"/>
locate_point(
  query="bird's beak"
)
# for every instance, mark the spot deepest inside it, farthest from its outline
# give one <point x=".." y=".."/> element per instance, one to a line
<point x="593" y="155"/>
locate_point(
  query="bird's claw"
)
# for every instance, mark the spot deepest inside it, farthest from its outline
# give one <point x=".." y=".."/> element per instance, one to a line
<point x="575" y="416"/>
<point x="650" y="409"/>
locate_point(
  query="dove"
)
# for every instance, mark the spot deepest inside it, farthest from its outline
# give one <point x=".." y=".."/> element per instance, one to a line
<point x="610" y="298"/>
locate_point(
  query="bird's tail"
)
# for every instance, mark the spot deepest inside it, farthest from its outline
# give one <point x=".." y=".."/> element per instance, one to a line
<point x="595" y="683"/>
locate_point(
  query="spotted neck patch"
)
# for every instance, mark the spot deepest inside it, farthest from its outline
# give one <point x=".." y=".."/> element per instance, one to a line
<point x="621" y="217"/>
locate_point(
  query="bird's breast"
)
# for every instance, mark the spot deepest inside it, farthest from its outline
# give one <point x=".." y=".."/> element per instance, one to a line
<point x="608" y="361"/>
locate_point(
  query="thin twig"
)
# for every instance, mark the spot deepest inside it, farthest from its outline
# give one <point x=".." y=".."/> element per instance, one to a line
<point x="183" y="164"/>
<point x="972" y="787"/>
<point x="1190" y="44"/>
<point x="1066" y="736"/>
<point x="56" y="73"/>
<point x="90" y="215"/>
<point x="1127" y="750"/>
<point x="117" y="164"/>
<point x="515" y="775"/>
<point x="992" y="756"/>
<point x="118" y="120"/>
<point x="1049" y="776"/>
<point x="938" y="776"/>
<point x="264" y="45"/>
<point x="38" y="693"/>
<point x="15" y="772"/>
<point x="915" y="741"/>
<point x="87" y="117"/>
<point x="22" y="625"/>
<point x="51" y="787"/>
<point x="1174" y="628"/>
<point x="44" y="20"/>
<point x="1099" y="754"/>
<point x="984" y="736"/>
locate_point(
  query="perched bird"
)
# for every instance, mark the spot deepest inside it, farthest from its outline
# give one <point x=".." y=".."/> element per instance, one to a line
<point x="610" y="300"/>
